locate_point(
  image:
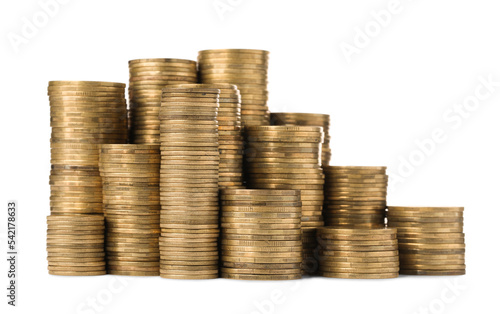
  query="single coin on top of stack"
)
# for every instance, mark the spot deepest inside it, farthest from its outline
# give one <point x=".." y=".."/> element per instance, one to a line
<point x="431" y="239"/>
<point x="131" y="196"/>
<point x="288" y="157"/>
<point x="147" y="78"/>
<point x="310" y="119"/>
<point x="75" y="245"/>
<point x="358" y="253"/>
<point x="189" y="183"/>
<point x="355" y="196"/>
<point x="246" y="68"/>
<point x="261" y="235"/>
<point x="230" y="136"/>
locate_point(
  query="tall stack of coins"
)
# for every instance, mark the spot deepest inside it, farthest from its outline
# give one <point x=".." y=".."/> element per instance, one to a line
<point x="310" y="119"/>
<point x="230" y="136"/>
<point x="82" y="116"/>
<point x="288" y="157"/>
<point x="75" y="245"/>
<point x="355" y="197"/>
<point x="246" y="68"/>
<point x="431" y="239"/>
<point x="189" y="183"/>
<point x="358" y="253"/>
<point x="147" y="78"/>
<point x="261" y="236"/>
<point x="131" y="175"/>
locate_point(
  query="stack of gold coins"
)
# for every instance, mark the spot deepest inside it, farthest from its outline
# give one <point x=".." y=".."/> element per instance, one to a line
<point x="147" y="78"/>
<point x="75" y="245"/>
<point x="246" y="68"/>
<point x="83" y="115"/>
<point x="310" y="119"/>
<point x="230" y="136"/>
<point x="431" y="239"/>
<point x="355" y="197"/>
<point x="288" y="157"/>
<point x="358" y="253"/>
<point x="261" y="235"/>
<point x="189" y="183"/>
<point x="131" y="196"/>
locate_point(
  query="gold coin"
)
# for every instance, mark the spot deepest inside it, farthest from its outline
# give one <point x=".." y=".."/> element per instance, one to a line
<point x="433" y="272"/>
<point x="424" y="209"/>
<point x="259" y="208"/>
<point x="429" y="261"/>
<point x="76" y="268"/>
<point x="360" y="276"/>
<point x="339" y="259"/>
<point x="246" y="250"/>
<point x="196" y="277"/>
<point x="261" y="277"/>
<point x="253" y="203"/>
<point x="76" y="273"/>
<point x="70" y="259"/>
<point x="75" y="255"/>
<point x="260" y="271"/>
<point x="363" y="254"/>
<point x="86" y="83"/>
<point x="256" y="198"/>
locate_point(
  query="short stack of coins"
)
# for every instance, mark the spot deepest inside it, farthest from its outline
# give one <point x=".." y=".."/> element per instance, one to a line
<point x="246" y="68"/>
<point x="310" y="119"/>
<point x="355" y="196"/>
<point x="189" y="183"/>
<point x="358" y="253"/>
<point x="75" y="245"/>
<point x="230" y="135"/>
<point x="431" y="239"/>
<point x="288" y="157"/>
<point x="130" y="176"/>
<point x="83" y="115"/>
<point x="261" y="234"/>
<point x="147" y="78"/>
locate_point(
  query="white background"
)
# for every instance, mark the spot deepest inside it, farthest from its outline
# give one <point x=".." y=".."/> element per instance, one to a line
<point x="430" y="56"/>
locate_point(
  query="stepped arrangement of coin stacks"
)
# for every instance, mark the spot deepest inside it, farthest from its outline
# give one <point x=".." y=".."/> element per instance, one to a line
<point x="157" y="200"/>
<point x="230" y="135"/>
<point x="82" y="115"/>
<point x="355" y="196"/>
<point x="75" y="245"/>
<point x="309" y="119"/>
<point x="288" y="157"/>
<point x="130" y="176"/>
<point x="246" y="68"/>
<point x="189" y="183"/>
<point x="358" y="253"/>
<point x="261" y="234"/>
<point x="147" y="78"/>
<point x="431" y="239"/>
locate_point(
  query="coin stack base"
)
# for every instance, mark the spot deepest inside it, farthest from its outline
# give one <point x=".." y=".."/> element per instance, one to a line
<point x="261" y="235"/>
<point x="189" y="182"/>
<point x="246" y="68"/>
<point x="75" y="245"/>
<point x="355" y="196"/>
<point x="358" y="253"/>
<point x="431" y="239"/>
